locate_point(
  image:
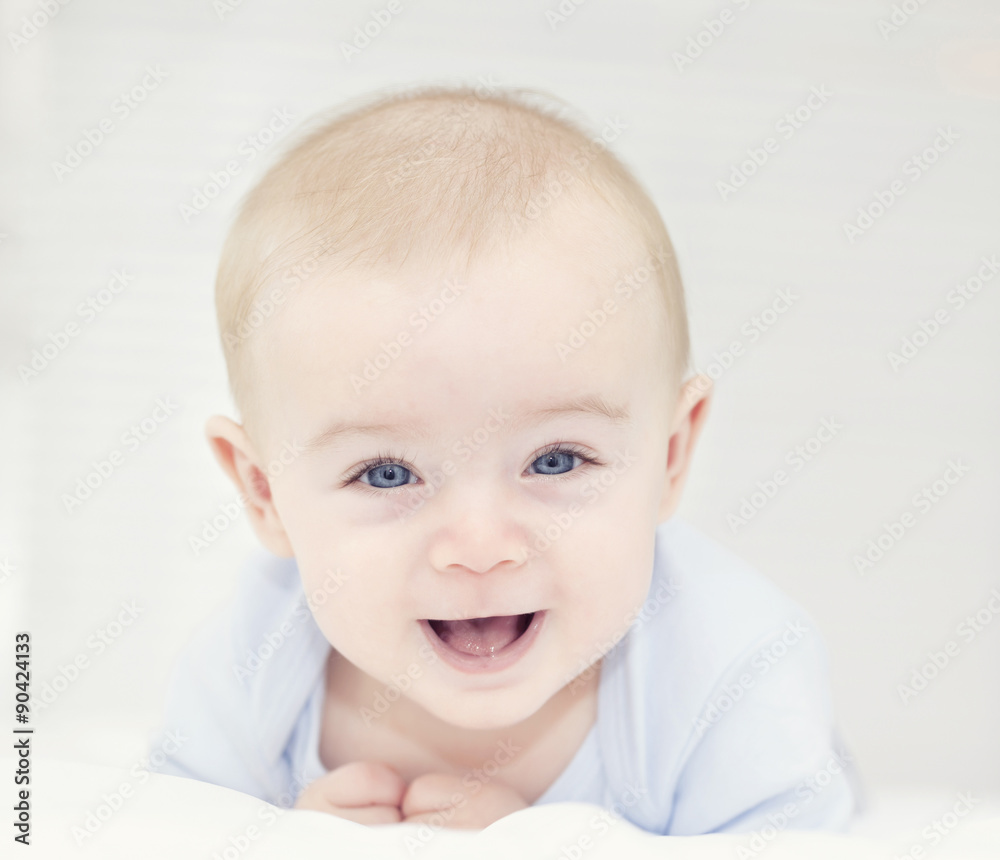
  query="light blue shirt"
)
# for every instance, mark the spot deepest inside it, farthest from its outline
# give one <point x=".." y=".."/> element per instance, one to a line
<point x="714" y="711"/>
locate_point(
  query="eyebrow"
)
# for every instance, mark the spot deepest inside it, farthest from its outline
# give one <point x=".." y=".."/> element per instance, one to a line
<point x="589" y="404"/>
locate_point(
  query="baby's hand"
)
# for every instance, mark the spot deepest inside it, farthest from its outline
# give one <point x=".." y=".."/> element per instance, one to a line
<point x="363" y="791"/>
<point x="442" y="799"/>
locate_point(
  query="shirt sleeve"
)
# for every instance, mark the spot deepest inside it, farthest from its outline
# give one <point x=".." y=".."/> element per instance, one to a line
<point x="764" y="751"/>
<point x="202" y="734"/>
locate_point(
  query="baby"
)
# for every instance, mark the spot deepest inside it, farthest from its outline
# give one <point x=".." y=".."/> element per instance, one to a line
<point x="456" y="335"/>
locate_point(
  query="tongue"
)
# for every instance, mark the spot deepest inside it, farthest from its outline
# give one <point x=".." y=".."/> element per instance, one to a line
<point x="481" y="637"/>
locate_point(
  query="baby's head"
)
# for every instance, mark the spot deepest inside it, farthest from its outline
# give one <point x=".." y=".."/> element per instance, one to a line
<point x="455" y="332"/>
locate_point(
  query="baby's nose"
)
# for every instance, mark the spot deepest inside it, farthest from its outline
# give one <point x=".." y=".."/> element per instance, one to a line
<point x="478" y="530"/>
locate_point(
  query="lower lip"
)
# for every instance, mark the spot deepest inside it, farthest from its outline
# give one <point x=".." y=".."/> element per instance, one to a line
<point x="497" y="662"/>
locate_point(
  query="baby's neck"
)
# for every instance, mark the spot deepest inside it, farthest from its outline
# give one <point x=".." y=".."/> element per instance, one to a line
<point x="414" y="741"/>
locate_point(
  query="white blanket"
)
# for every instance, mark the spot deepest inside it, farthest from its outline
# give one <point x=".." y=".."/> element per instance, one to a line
<point x="84" y="810"/>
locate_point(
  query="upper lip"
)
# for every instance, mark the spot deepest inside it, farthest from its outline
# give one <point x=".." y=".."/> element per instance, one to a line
<point x="486" y="615"/>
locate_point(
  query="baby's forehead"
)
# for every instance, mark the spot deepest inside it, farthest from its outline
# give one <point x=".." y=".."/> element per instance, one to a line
<point x="548" y="303"/>
<point x="567" y="270"/>
<point x="447" y="361"/>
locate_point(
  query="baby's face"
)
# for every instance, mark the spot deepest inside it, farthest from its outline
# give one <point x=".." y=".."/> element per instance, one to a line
<point x="474" y="474"/>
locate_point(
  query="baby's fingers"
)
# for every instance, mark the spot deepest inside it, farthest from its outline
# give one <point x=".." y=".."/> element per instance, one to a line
<point x="443" y="800"/>
<point x="356" y="786"/>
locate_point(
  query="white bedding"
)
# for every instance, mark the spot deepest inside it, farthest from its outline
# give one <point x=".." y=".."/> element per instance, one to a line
<point x="168" y="817"/>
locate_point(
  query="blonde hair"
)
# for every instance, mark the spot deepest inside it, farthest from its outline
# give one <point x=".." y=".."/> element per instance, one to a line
<point x="423" y="173"/>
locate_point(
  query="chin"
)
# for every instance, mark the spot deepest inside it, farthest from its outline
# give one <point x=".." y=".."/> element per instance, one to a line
<point x="483" y="710"/>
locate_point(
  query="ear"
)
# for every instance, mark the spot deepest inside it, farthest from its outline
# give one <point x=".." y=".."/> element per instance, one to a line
<point x="689" y="417"/>
<point x="235" y="452"/>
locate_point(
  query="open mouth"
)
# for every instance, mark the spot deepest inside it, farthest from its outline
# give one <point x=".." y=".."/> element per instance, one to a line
<point x="483" y="644"/>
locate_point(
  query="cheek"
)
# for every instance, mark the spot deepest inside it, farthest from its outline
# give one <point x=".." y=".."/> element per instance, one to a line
<point x="607" y="571"/>
<point x="358" y="622"/>
<point x="612" y="587"/>
<point x="305" y="520"/>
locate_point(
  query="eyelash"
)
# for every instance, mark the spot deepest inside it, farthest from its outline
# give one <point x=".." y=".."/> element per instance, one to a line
<point x="385" y="458"/>
<point x="382" y="458"/>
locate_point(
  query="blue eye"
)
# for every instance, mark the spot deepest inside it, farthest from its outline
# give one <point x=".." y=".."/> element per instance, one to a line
<point x="555" y="462"/>
<point x="386" y="476"/>
<point x="558" y="459"/>
<point x="385" y="472"/>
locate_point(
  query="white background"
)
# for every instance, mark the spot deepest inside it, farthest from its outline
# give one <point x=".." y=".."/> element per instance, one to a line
<point x="825" y="358"/>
